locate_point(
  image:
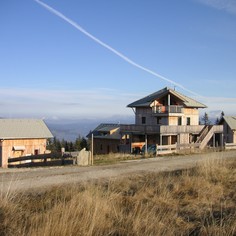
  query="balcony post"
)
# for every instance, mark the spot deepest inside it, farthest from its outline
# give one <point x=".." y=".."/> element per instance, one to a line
<point x="214" y="140"/>
<point x="222" y="141"/>
<point x="130" y="143"/>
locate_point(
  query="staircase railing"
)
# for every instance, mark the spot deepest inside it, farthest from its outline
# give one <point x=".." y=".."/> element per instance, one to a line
<point x="206" y="134"/>
<point x="203" y="133"/>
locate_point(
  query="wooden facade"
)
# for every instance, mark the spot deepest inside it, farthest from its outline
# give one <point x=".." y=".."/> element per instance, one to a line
<point x="22" y="137"/>
<point x="20" y="147"/>
<point x="105" y="145"/>
<point x="106" y="138"/>
<point x="166" y="117"/>
<point x="229" y="124"/>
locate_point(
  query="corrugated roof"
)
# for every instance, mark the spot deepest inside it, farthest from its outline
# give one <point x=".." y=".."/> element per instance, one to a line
<point x="146" y="101"/>
<point x="231" y="121"/>
<point x="23" y="128"/>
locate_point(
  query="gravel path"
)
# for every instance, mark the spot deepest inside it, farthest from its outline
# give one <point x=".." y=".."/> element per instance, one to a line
<point x="39" y="178"/>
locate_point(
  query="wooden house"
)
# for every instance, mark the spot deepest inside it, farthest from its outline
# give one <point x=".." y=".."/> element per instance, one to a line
<point x="229" y="124"/>
<point x="106" y="138"/>
<point x="22" y="137"/>
<point x="168" y="117"/>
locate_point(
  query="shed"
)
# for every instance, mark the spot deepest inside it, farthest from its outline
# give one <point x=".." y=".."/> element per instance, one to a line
<point x="229" y="124"/>
<point x="106" y="138"/>
<point x="22" y="137"/>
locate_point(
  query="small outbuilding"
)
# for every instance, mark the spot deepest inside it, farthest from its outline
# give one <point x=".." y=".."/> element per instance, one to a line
<point x="106" y="138"/>
<point x="229" y="128"/>
<point x="22" y="137"/>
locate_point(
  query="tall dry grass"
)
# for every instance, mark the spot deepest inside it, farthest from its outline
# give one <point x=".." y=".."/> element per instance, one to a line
<point x="198" y="201"/>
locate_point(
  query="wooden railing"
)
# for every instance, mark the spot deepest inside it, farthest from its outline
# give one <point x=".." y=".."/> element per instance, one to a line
<point x="174" y="148"/>
<point x="230" y="146"/>
<point x="167" y="109"/>
<point x="207" y="134"/>
<point x="161" y="129"/>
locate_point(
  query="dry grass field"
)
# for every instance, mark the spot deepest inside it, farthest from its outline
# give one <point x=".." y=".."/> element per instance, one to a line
<point x="198" y="201"/>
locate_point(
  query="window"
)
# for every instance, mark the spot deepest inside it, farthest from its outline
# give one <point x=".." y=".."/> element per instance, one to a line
<point x="158" y="120"/>
<point x="143" y="120"/>
<point x="179" y="120"/>
<point x="188" y="120"/>
<point x="36" y="151"/>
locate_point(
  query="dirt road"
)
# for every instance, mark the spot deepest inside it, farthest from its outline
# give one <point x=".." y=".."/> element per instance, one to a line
<point x="39" y="178"/>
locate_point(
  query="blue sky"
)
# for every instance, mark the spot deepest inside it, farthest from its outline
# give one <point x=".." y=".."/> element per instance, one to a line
<point x="50" y="69"/>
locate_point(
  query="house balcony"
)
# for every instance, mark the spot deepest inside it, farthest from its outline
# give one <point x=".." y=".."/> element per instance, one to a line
<point x="167" y="110"/>
<point x="161" y="129"/>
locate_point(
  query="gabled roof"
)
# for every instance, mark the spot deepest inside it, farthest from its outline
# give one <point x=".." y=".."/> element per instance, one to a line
<point x="103" y="131"/>
<point x="106" y="127"/>
<point x="231" y="121"/>
<point x="146" y="101"/>
<point x="23" y="128"/>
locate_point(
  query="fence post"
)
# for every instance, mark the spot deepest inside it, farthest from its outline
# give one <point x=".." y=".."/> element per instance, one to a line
<point x="146" y="148"/>
<point x="92" y="151"/>
<point x="62" y="155"/>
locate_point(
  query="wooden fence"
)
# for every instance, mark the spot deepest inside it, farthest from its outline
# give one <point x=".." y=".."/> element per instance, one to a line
<point x="50" y="159"/>
<point x="230" y="146"/>
<point x="174" y="148"/>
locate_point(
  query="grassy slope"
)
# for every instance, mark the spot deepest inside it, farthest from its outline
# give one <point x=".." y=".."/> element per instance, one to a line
<point x="199" y="201"/>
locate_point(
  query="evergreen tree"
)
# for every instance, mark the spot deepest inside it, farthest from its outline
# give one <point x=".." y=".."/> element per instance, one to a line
<point x="205" y="119"/>
<point x="55" y="144"/>
<point x="58" y="145"/>
<point x="222" y="114"/>
<point x="217" y="121"/>
<point x="66" y="146"/>
<point x="83" y="144"/>
<point x="80" y="143"/>
<point x="77" y="143"/>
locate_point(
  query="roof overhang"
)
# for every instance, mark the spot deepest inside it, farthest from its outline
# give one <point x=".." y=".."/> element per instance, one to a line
<point x="148" y="100"/>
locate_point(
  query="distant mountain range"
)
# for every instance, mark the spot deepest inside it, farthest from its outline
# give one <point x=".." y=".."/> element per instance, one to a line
<point x="69" y="130"/>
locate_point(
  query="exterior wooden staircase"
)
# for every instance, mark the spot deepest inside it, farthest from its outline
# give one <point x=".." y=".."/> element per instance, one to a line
<point x="206" y="134"/>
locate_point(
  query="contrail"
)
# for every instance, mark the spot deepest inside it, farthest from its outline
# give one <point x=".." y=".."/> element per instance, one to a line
<point x="122" y="56"/>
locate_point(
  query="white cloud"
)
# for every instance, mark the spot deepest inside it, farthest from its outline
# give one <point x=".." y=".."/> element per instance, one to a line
<point x="228" y="105"/>
<point x="225" y="5"/>
<point x="76" y="103"/>
<point x="100" y="103"/>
